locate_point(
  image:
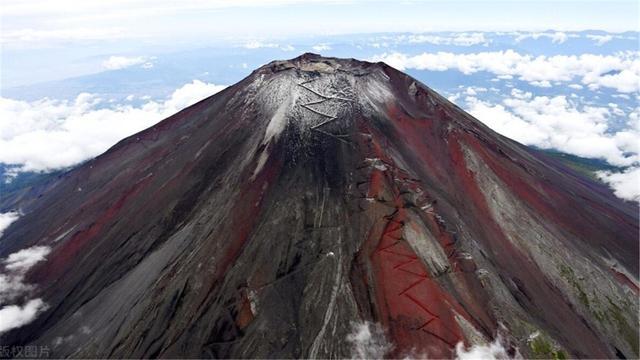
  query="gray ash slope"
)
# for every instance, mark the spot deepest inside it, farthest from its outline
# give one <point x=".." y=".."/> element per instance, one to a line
<point x="318" y="192"/>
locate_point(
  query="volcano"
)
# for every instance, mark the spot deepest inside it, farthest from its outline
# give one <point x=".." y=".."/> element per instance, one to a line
<point x="326" y="208"/>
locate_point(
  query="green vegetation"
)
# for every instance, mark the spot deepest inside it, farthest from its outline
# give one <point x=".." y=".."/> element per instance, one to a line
<point x="627" y="331"/>
<point x="612" y="313"/>
<point x="585" y="166"/>
<point x="23" y="180"/>
<point x="542" y="348"/>
<point x="567" y="273"/>
<point x="600" y="315"/>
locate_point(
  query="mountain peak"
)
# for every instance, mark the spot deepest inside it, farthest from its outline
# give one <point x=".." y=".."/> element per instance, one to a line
<point x="315" y="62"/>
<point x="315" y="198"/>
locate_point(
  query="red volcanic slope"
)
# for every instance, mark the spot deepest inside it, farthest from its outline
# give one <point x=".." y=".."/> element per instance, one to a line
<point x="317" y="193"/>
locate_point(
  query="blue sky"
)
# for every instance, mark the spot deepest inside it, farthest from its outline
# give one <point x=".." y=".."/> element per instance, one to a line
<point x="40" y="34"/>
<point x="198" y="20"/>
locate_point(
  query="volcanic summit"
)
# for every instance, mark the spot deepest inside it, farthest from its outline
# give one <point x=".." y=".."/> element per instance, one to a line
<point x="316" y="197"/>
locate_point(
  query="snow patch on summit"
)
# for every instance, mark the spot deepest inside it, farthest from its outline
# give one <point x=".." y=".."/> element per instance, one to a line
<point x="276" y="126"/>
<point x="278" y="122"/>
<point x="374" y="92"/>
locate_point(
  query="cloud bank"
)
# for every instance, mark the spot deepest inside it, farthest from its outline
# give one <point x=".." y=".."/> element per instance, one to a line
<point x="559" y="123"/>
<point x="321" y="47"/>
<point x="557" y="37"/>
<point x="600" y="39"/>
<point x="14" y="289"/>
<point x="369" y="341"/>
<point x="51" y="134"/>
<point x="620" y="71"/>
<point x="626" y="185"/>
<point x="458" y="39"/>
<point x="255" y="44"/>
<point x="6" y="219"/>
<point x="16" y="265"/>
<point x="24" y="259"/>
<point x="121" y="62"/>
<point x="14" y="316"/>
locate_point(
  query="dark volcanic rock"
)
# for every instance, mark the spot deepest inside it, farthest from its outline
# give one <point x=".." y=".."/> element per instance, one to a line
<point x="319" y="193"/>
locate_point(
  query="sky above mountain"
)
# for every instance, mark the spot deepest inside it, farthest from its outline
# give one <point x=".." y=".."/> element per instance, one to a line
<point x="79" y="76"/>
<point x="33" y="21"/>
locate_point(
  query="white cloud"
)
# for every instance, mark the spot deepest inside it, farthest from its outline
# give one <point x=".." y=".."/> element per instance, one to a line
<point x="378" y="45"/>
<point x="556" y="122"/>
<point x="121" y="62"/>
<point x="627" y="80"/>
<point x="473" y="90"/>
<point x="500" y="119"/>
<point x="50" y="134"/>
<point x="492" y="351"/>
<point x="622" y="96"/>
<point x="465" y="39"/>
<point x="12" y="286"/>
<point x="453" y="98"/>
<point x="459" y="39"/>
<point x="6" y="219"/>
<point x="626" y="184"/>
<point x="29" y="35"/>
<point x="543" y="83"/>
<point x="26" y="258"/>
<point x="14" y="316"/>
<point x="321" y="47"/>
<point x="189" y="94"/>
<point x="600" y="39"/>
<point x="557" y="37"/>
<point x="255" y="44"/>
<point x="368" y="341"/>
<point x="616" y="109"/>
<point x="620" y="71"/>
<point x="16" y="266"/>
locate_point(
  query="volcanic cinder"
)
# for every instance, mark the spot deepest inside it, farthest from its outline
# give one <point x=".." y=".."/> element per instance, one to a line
<point x="317" y="194"/>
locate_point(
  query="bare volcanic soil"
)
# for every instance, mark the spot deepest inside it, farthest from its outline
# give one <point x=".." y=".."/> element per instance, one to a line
<point x="315" y="197"/>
